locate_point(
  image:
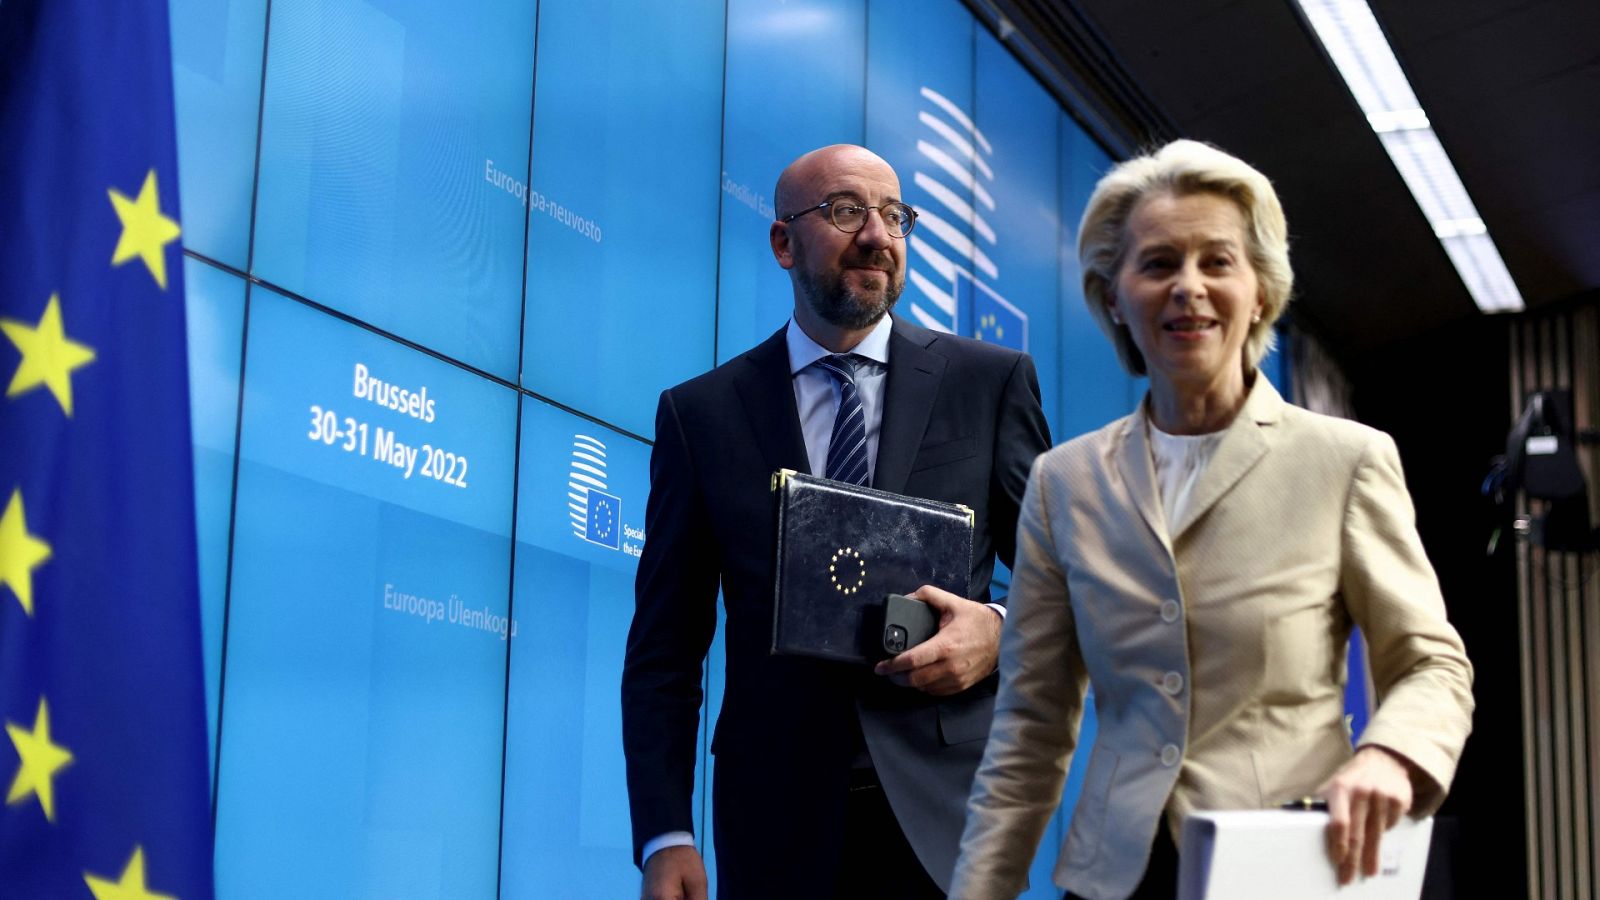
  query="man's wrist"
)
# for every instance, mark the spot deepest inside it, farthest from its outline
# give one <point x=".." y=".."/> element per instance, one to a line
<point x="662" y="842"/>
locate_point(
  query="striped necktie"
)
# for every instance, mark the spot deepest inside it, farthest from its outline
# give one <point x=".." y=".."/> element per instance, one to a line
<point x="847" y="448"/>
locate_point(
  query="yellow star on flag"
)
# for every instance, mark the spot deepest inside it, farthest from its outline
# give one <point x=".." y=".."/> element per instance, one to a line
<point x="41" y="759"/>
<point x="20" y="552"/>
<point x="146" y="232"/>
<point x="48" y="355"/>
<point x="130" y="886"/>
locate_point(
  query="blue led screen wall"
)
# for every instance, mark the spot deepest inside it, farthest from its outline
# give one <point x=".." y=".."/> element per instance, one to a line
<point x="441" y="262"/>
<point x="919" y="118"/>
<point x="1092" y="389"/>
<point x="580" y="526"/>
<point x="217" y="51"/>
<point x="1008" y="295"/>
<point x="368" y="622"/>
<point x="622" y="204"/>
<point x="380" y="125"/>
<point x="215" y="312"/>
<point x="769" y="118"/>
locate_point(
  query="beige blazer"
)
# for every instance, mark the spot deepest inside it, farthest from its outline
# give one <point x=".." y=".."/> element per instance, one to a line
<point x="1215" y="644"/>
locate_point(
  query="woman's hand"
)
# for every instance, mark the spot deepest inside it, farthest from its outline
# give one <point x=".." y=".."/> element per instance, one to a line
<point x="1366" y="797"/>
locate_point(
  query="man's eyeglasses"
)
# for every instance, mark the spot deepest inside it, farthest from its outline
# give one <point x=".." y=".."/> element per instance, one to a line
<point x="849" y="217"/>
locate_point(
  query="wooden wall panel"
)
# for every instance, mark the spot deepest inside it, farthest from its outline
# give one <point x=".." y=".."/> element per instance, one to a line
<point x="1559" y="613"/>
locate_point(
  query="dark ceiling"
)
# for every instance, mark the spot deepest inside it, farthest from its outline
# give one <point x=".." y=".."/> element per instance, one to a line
<point x="1511" y="88"/>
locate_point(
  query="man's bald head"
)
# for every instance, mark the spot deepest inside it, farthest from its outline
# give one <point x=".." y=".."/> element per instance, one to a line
<point x="806" y="177"/>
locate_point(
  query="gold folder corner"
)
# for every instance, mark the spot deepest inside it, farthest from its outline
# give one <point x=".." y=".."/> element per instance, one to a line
<point x="972" y="517"/>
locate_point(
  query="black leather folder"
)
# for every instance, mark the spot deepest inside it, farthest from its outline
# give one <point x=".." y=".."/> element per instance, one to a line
<point x="842" y="549"/>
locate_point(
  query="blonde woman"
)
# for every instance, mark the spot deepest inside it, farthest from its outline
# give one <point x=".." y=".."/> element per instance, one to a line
<point x="1202" y="561"/>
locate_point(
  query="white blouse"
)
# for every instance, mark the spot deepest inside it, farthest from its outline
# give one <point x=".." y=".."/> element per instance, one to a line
<point x="1179" y="459"/>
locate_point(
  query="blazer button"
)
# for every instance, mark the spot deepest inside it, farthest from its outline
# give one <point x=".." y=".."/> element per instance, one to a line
<point x="1170" y="754"/>
<point x="1169" y="611"/>
<point x="1172" y="682"/>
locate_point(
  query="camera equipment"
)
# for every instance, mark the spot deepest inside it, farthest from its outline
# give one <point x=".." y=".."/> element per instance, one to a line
<point x="1541" y="459"/>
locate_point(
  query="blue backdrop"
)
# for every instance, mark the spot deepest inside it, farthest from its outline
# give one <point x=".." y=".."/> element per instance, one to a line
<point x="441" y="263"/>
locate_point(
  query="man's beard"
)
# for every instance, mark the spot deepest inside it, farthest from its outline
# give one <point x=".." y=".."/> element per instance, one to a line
<point x="845" y="307"/>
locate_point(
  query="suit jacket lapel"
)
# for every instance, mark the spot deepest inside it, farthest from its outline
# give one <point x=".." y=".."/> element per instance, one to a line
<point x="766" y="390"/>
<point x="914" y="376"/>
<point x="1242" y="446"/>
<point x="1132" y="454"/>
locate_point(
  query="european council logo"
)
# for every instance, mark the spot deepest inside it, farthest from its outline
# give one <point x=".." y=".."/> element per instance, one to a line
<point x="951" y="268"/>
<point x="596" y="515"/>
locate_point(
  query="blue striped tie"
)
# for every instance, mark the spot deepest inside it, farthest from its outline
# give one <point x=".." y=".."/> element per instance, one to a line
<point x="847" y="448"/>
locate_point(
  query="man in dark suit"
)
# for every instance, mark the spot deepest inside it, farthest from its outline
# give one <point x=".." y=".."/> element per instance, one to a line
<point x="830" y="780"/>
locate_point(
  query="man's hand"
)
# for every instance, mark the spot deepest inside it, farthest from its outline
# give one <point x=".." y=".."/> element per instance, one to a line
<point x="674" y="873"/>
<point x="1366" y="797"/>
<point x="959" y="656"/>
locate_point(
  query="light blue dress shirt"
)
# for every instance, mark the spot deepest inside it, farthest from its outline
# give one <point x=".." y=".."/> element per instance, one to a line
<point x="816" y="393"/>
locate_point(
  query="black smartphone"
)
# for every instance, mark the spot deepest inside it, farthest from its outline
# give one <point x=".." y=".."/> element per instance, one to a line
<point x="906" y="623"/>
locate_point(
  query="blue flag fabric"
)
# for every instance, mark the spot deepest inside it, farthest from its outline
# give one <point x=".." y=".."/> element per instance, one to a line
<point x="103" y="760"/>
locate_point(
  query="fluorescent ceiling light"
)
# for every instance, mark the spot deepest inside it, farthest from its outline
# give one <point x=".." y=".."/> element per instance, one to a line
<point x="1358" y="48"/>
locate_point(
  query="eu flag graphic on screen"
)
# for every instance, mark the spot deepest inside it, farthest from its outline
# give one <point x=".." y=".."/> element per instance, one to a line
<point x="103" y="761"/>
<point x="603" y="524"/>
<point x="994" y="318"/>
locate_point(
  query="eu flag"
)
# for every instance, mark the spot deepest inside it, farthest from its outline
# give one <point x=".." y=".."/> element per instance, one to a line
<point x="603" y="527"/>
<point x="103" y="759"/>
<point x="994" y="318"/>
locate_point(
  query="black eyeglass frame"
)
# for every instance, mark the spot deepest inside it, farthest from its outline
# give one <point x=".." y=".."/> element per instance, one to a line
<point x="830" y="205"/>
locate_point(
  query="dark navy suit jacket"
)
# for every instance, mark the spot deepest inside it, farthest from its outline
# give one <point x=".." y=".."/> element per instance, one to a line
<point x="962" y="422"/>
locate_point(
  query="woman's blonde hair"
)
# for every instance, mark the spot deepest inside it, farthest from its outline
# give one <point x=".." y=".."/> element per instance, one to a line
<point x="1183" y="168"/>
